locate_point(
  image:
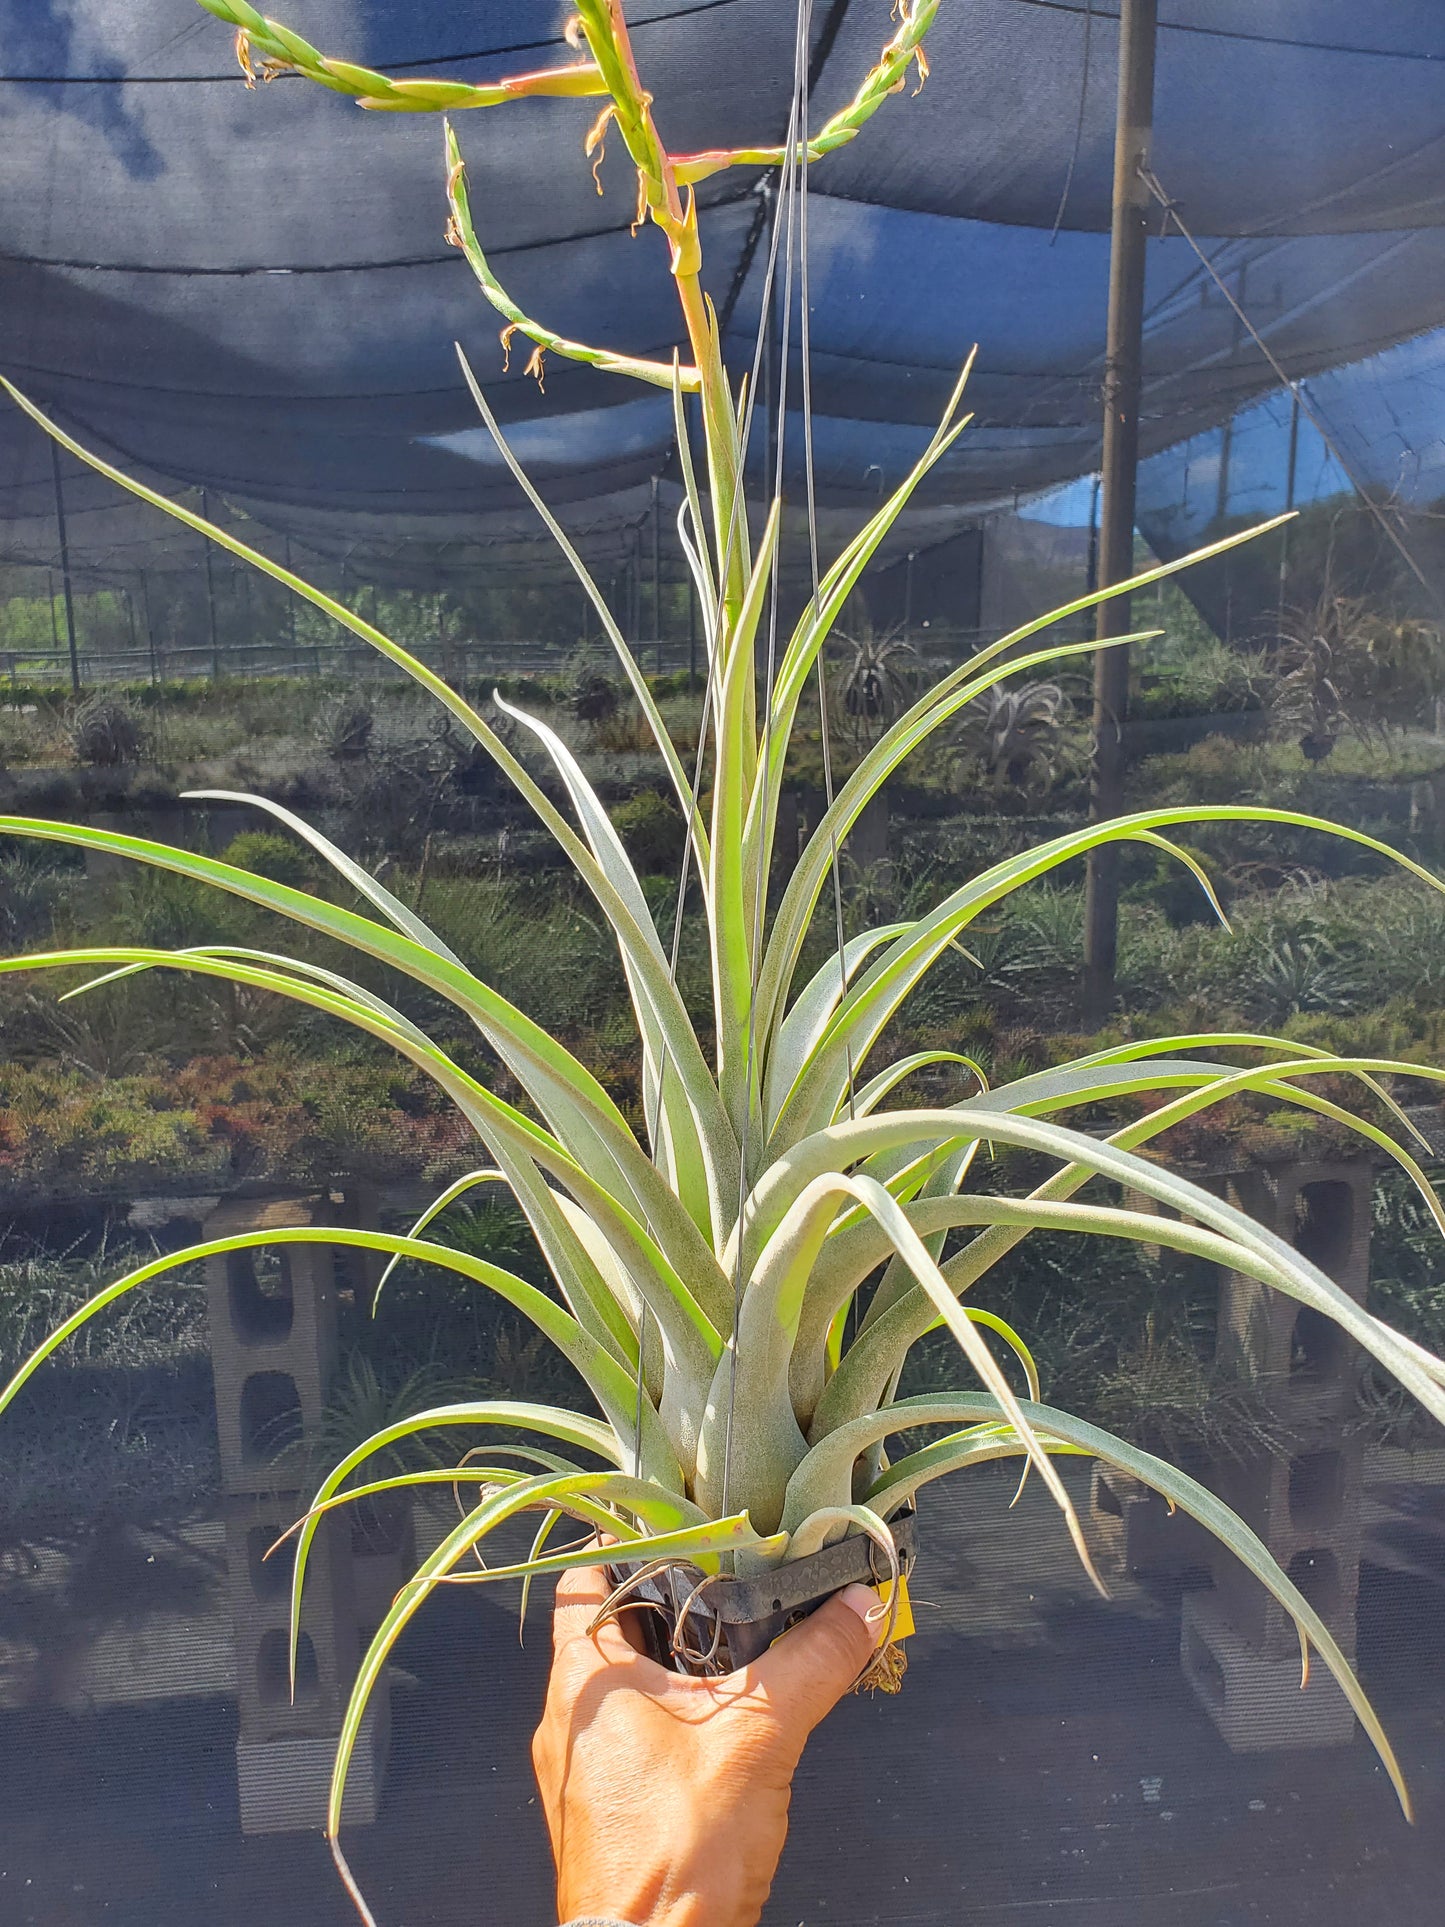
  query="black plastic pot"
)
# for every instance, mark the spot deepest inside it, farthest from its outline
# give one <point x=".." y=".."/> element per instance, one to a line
<point x="731" y="1621"/>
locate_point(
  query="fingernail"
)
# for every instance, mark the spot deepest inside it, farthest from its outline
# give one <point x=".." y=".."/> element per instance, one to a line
<point x="866" y="1603"/>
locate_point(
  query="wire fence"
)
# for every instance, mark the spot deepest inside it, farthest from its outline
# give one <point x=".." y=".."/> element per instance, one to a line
<point x="346" y="661"/>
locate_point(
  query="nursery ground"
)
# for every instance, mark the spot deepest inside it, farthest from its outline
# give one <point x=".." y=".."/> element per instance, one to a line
<point x="1045" y="1760"/>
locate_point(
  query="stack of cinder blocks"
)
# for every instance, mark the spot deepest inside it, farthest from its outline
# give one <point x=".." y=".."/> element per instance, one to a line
<point x="1239" y="1649"/>
<point x="274" y="1347"/>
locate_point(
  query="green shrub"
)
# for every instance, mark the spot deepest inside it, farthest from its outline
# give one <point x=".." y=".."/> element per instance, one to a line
<point x="48" y="792"/>
<point x="106" y="732"/>
<point x="31" y="891"/>
<point x="280" y="858"/>
<point x="215" y="1120"/>
<point x="1171" y="889"/>
<point x="650" y="825"/>
<point x="344" y="727"/>
<point x="1202" y="677"/>
<point x="38" y="1289"/>
<point x="533" y="941"/>
<point x="171" y="912"/>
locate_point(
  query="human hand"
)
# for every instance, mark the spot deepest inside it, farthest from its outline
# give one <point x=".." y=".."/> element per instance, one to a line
<point x="667" y="1797"/>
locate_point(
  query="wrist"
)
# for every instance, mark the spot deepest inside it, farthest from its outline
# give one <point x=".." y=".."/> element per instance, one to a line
<point x="635" y="1907"/>
<point x="631" y="1910"/>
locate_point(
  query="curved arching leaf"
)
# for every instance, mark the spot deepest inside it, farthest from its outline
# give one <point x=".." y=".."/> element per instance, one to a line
<point x="698" y="1545"/>
<point x="883" y="987"/>
<point x="990" y="1436"/>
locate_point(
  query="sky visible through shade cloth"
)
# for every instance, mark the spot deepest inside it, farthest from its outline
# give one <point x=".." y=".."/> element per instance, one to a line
<point x="251" y="290"/>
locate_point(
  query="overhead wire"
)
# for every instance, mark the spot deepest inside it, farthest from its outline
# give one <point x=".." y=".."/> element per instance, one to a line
<point x="728" y="547"/>
<point x="1296" y="388"/>
<point x="1252" y="38"/>
<point x="547" y="43"/>
<point x="795" y="165"/>
<point x="825" y="735"/>
<point x="1084" y="65"/>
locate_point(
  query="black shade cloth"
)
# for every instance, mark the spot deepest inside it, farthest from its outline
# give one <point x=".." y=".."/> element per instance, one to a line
<point x="251" y="291"/>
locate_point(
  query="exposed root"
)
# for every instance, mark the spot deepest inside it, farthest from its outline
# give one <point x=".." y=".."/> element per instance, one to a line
<point x="884" y="1672"/>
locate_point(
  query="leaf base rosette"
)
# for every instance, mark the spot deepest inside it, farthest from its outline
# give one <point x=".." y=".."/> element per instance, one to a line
<point x="703" y="1625"/>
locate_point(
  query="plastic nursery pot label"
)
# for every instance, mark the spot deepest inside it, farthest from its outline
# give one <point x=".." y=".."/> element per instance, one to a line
<point x="903" y="1622"/>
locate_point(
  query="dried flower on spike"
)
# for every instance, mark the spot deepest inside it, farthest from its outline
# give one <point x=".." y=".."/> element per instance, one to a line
<point x="537" y="366"/>
<point x="268" y="67"/>
<point x="505" y="337"/>
<point x="595" y="145"/>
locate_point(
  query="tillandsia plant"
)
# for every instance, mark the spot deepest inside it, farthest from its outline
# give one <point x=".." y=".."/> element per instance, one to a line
<point x="739" y="1285"/>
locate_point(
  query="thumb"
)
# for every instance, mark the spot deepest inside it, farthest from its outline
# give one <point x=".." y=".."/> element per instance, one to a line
<point x="582" y="1592"/>
<point x="810" y="1668"/>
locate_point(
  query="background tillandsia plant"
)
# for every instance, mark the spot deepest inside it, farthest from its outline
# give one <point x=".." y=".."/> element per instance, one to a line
<point x="713" y="1274"/>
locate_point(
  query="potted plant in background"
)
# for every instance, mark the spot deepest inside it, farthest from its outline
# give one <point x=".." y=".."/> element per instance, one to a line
<point x="713" y="1275"/>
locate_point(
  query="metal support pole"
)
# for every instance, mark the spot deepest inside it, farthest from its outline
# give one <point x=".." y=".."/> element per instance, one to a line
<point x="211" y="595"/>
<point x="1138" y="23"/>
<point x="347" y="657"/>
<point x="130" y="621"/>
<point x="241" y="597"/>
<point x="291" y="612"/>
<point x="64" y="571"/>
<point x="1289" y="486"/>
<point x="1226" y="457"/>
<point x="1226" y="434"/>
<point x="145" y="609"/>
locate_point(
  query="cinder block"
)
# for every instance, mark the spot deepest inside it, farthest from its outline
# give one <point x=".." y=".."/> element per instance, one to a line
<point x="383" y="1555"/>
<point x="1307" y="1509"/>
<point x="1136" y="1533"/>
<point x="1296" y="1356"/>
<point x="274" y="1351"/>
<point x="355" y="1206"/>
<point x="1151" y="1207"/>
<point x="284" y="1783"/>
<point x="329" y="1649"/>
<point x="1254" y="1700"/>
<point x="273" y="1337"/>
<point x="1305" y="1504"/>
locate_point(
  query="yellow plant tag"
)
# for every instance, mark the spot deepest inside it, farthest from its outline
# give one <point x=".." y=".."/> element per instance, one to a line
<point x="903" y="1621"/>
